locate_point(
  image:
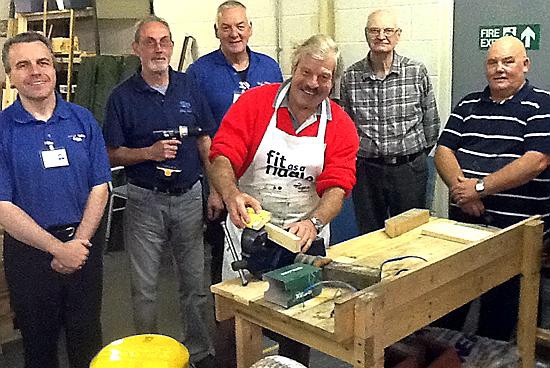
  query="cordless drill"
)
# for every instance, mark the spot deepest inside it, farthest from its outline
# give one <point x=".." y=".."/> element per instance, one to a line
<point x="168" y="169"/>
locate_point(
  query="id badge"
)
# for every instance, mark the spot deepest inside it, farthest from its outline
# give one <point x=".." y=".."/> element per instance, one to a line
<point x="55" y="158"/>
<point x="236" y="96"/>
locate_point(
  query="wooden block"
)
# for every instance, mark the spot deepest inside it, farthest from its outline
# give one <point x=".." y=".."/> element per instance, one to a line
<point x="283" y="238"/>
<point x="456" y="232"/>
<point x="406" y="221"/>
<point x="360" y="277"/>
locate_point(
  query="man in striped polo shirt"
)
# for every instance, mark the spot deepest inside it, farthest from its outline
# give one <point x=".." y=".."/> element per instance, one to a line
<point x="494" y="155"/>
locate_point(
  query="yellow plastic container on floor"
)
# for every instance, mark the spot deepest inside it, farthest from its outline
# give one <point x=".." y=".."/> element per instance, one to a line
<point x="143" y="351"/>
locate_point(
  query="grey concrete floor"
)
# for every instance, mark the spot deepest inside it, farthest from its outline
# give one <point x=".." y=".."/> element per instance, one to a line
<point x="117" y="313"/>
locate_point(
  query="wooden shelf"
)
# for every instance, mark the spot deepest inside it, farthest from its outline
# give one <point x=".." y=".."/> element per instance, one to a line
<point x="56" y="14"/>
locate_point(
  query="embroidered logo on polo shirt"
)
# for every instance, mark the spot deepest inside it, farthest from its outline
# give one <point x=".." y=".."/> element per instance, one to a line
<point x="185" y="107"/>
<point x="77" y="137"/>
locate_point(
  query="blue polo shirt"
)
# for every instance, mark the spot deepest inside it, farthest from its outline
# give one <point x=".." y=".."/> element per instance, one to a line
<point x="219" y="81"/>
<point x="486" y="136"/>
<point x="54" y="196"/>
<point x="135" y="110"/>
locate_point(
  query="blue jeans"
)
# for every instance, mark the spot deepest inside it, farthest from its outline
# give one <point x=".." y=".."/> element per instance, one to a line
<point x="152" y="222"/>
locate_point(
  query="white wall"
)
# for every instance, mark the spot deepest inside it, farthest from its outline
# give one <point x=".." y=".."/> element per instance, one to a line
<point x="298" y="20"/>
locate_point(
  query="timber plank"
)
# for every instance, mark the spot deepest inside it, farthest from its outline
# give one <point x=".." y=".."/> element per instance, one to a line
<point x="406" y="221"/>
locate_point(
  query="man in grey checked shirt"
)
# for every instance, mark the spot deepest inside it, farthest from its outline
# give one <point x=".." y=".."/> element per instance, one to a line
<point x="391" y="101"/>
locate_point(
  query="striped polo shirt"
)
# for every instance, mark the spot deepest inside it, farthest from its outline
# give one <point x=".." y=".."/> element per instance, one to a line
<point x="486" y="136"/>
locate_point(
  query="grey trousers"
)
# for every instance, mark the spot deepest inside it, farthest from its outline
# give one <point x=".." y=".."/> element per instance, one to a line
<point x="152" y="222"/>
<point x="383" y="191"/>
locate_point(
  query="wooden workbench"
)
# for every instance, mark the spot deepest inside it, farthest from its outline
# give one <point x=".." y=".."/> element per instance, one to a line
<point x="356" y="326"/>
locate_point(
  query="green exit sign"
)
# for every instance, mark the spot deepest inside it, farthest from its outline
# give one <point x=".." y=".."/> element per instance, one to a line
<point x="529" y="34"/>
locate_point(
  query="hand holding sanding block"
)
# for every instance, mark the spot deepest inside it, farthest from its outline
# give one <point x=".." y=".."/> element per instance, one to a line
<point x="292" y="284"/>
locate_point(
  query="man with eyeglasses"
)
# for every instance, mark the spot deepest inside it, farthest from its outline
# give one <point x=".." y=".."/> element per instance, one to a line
<point x="494" y="155"/>
<point x="163" y="211"/>
<point x="391" y="100"/>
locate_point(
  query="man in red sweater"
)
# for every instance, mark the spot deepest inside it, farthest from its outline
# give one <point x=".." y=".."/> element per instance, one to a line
<point x="288" y="149"/>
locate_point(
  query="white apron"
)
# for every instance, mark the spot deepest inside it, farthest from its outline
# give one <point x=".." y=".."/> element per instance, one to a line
<point x="282" y="177"/>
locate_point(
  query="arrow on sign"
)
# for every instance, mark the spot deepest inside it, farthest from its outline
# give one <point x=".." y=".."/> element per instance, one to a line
<point x="527" y="35"/>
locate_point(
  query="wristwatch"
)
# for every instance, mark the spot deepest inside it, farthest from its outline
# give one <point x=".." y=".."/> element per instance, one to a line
<point x="480" y="186"/>
<point x="317" y="223"/>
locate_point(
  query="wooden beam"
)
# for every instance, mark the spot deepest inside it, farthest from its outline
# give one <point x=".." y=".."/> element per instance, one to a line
<point x="456" y="232"/>
<point x="529" y="291"/>
<point x="283" y="238"/>
<point x="406" y="221"/>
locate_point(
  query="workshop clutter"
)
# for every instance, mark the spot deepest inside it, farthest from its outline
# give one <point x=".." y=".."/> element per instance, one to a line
<point x="434" y="347"/>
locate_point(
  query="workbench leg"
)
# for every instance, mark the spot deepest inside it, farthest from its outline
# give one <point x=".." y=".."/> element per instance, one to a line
<point x="529" y="292"/>
<point x="368" y="331"/>
<point x="249" y="342"/>
<point x="367" y="355"/>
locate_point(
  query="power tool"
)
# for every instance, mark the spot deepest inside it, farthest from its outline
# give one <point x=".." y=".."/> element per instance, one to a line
<point x="169" y="169"/>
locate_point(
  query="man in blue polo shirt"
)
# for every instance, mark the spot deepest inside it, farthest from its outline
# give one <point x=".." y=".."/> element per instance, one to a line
<point x="53" y="189"/>
<point x="494" y="155"/>
<point x="164" y="208"/>
<point x="223" y="75"/>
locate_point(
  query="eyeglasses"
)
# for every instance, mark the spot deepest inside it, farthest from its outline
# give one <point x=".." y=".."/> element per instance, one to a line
<point x="151" y="43"/>
<point x="388" y="32"/>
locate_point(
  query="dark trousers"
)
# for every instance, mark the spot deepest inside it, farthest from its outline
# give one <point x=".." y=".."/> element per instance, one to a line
<point x="384" y="190"/>
<point x="45" y="302"/>
<point x="498" y="312"/>
<point x="499" y="306"/>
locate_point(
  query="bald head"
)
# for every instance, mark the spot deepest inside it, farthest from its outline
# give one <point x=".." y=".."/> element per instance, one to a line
<point x="387" y="17"/>
<point x="506" y="66"/>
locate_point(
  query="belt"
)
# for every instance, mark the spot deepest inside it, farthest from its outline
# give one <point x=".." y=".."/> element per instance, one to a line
<point x="393" y="160"/>
<point x="163" y="189"/>
<point x="63" y="232"/>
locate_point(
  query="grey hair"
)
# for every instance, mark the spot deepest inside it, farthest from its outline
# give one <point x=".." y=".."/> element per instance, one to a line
<point x="150" y="19"/>
<point x="319" y="46"/>
<point x="230" y="4"/>
<point x="25" y="37"/>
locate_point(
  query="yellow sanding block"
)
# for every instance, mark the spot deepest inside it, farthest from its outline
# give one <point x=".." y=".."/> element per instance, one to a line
<point x="257" y="220"/>
<point x="275" y="233"/>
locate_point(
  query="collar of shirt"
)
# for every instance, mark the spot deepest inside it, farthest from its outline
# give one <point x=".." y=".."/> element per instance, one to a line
<point x="309" y="121"/>
<point x="221" y="60"/>
<point x="142" y="86"/>
<point x="395" y="67"/>
<point x="516" y="98"/>
<point x="22" y="116"/>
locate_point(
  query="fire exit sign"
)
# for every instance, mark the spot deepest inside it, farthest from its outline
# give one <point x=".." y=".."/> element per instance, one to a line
<point x="529" y="34"/>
